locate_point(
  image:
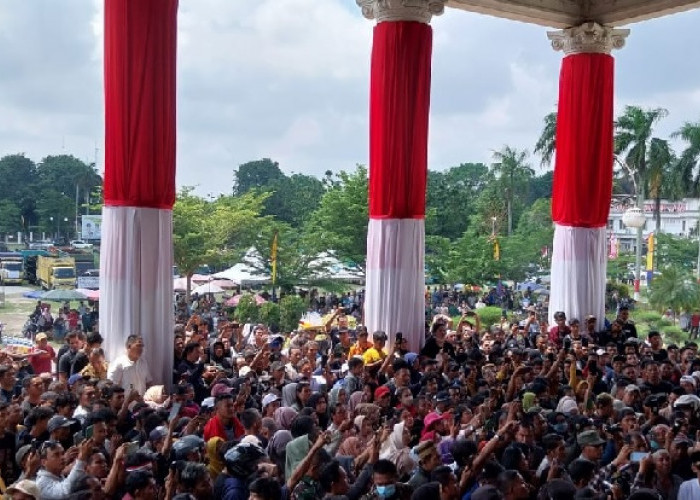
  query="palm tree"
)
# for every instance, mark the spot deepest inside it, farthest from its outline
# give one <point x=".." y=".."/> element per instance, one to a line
<point x="689" y="162"/>
<point x="674" y="289"/>
<point x="546" y="144"/>
<point x="660" y="162"/>
<point x="633" y="134"/>
<point x="512" y="170"/>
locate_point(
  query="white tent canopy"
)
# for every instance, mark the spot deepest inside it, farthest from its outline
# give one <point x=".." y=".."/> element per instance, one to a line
<point x="245" y="274"/>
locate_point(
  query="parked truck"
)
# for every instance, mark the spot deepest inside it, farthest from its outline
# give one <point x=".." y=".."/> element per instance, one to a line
<point x="56" y="272"/>
<point x="11" y="268"/>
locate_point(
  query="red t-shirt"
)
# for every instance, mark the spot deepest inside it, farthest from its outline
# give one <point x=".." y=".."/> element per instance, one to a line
<point x="41" y="363"/>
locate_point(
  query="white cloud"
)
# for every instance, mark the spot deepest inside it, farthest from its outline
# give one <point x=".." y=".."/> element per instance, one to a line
<point x="289" y="79"/>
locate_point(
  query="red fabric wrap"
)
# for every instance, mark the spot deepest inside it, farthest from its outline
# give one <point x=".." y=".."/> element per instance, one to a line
<point x="584" y="142"/>
<point x="140" y="53"/>
<point x="398" y="120"/>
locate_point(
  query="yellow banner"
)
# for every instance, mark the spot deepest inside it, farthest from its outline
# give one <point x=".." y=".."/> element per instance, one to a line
<point x="650" y="253"/>
<point x="496" y="250"/>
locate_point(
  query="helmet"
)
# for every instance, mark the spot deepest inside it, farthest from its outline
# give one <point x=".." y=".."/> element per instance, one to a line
<point x="242" y="460"/>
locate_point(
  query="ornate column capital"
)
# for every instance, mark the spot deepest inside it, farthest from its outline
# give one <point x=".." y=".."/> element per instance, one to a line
<point x="588" y="38"/>
<point x="420" y="11"/>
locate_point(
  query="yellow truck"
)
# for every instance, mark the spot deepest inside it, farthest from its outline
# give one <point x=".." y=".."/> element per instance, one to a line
<point x="56" y="273"/>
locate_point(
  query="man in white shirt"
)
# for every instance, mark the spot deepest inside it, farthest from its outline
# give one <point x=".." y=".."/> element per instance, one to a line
<point x="130" y="370"/>
<point x="50" y="480"/>
<point x="690" y="490"/>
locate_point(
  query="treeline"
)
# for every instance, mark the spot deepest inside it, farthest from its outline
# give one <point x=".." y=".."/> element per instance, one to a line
<point x="41" y="197"/>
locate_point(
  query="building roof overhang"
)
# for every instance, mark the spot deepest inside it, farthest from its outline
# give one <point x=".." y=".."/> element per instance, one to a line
<point x="568" y="13"/>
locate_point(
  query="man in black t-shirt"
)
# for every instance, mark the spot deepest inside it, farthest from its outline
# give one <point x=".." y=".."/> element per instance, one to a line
<point x="9" y="470"/>
<point x="66" y="363"/>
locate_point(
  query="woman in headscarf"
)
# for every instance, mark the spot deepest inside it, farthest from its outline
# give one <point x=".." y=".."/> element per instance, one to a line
<point x="355" y="445"/>
<point x="289" y="395"/>
<point x="277" y="448"/>
<point x="396" y="450"/>
<point x="337" y="396"/>
<point x="304" y="431"/>
<point x="284" y="416"/>
<point x="216" y="464"/>
<point x="318" y="403"/>
<point x="355" y="399"/>
<point x="155" y="397"/>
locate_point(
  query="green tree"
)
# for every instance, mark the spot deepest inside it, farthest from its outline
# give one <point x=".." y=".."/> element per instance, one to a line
<point x="661" y="160"/>
<point x="339" y="223"/>
<point x="214" y="232"/>
<point x="296" y="259"/>
<point x="292" y="307"/>
<point x="269" y="313"/>
<point x="450" y="198"/>
<point x="293" y="199"/>
<point x="633" y="135"/>
<point x="546" y="144"/>
<point x="514" y="174"/>
<point x="247" y="311"/>
<point x="675" y="289"/>
<point x="256" y="175"/>
<point x="20" y="186"/>
<point x="689" y="162"/>
<point x="10" y="217"/>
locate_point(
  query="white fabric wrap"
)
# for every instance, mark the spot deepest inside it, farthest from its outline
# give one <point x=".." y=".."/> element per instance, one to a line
<point x="136" y="285"/>
<point x="395" y="279"/>
<point x="579" y="262"/>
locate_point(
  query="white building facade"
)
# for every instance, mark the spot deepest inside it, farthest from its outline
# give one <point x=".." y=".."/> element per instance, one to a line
<point x="678" y="218"/>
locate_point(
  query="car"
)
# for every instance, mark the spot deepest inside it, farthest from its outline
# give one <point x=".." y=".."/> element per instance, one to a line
<point x="80" y="245"/>
<point x="41" y="245"/>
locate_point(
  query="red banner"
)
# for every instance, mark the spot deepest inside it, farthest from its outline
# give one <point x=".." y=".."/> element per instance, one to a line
<point x="140" y="55"/>
<point x="399" y="108"/>
<point x="584" y="141"/>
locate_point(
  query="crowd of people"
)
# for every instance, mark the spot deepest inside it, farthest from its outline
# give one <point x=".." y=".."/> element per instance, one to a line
<point x="519" y="410"/>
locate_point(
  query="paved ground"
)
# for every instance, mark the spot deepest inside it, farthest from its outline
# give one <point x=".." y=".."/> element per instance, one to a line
<point x="16" y="309"/>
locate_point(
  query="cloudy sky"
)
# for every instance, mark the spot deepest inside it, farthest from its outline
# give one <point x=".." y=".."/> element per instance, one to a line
<point x="288" y="79"/>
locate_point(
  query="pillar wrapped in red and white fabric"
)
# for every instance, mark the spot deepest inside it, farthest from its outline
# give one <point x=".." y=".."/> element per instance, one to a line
<point x="136" y="284"/>
<point x="399" y="109"/>
<point x="583" y="169"/>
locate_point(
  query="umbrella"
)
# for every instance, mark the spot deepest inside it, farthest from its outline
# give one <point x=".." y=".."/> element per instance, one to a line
<point x="180" y="284"/>
<point x="35" y="294"/>
<point x="233" y="301"/>
<point x="522" y="287"/>
<point x="223" y="283"/>
<point x="90" y="294"/>
<point x="63" y="295"/>
<point x="207" y="288"/>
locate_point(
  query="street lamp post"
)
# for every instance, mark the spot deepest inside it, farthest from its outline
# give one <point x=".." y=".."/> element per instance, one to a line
<point x="634" y="218"/>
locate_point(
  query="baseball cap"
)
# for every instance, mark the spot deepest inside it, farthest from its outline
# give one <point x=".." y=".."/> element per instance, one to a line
<point x="40" y="336"/>
<point x="220" y="389"/>
<point x="269" y="398"/>
<point x="27" y="487"/>
<point x="208" y="403"/>
<point x="381" y="391"/>
<point x="158" y="433"/>
<point x="58" y="421"/>
<point x="187" y="444"/>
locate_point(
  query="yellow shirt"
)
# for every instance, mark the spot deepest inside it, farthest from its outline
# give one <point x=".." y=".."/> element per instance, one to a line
<point x="357" y="350"/>
<point x="372" y="355"/>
